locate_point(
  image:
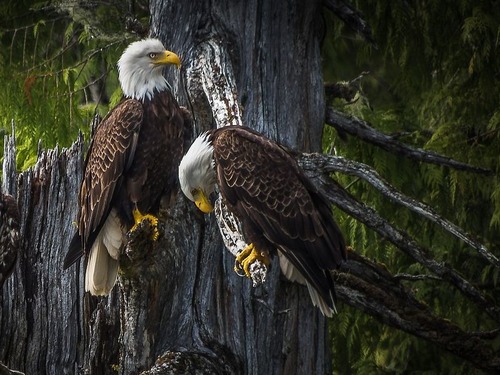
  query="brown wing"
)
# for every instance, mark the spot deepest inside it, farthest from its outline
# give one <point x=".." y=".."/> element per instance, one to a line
<point x="110" y="154"/>
<point x="272" y="197"/>
<point x="153" y="174"/>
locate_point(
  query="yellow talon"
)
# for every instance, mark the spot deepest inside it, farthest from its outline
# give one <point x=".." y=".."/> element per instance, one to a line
<point x="248" y="256"/>
<point x="238" y="263"/>
<point x="153" y="220"/>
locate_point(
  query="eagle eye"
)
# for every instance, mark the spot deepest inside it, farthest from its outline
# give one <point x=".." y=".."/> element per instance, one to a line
<point x="194" y="192"/>
<point x="152" y="55"/>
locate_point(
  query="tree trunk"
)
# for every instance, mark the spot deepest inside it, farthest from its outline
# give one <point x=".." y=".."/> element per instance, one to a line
<point x="179" y="300"/>
<point x="41" y="305"/>
<point x="179" y="307"/>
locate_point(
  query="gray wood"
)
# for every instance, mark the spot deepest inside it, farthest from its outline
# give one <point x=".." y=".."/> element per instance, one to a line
<point x="39" y="302"/>
<point x="180" y="295"/>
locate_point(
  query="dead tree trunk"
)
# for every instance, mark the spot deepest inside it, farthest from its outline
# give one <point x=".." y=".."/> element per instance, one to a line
<point x="179" y="299"/>
<point x="41" y="305"/>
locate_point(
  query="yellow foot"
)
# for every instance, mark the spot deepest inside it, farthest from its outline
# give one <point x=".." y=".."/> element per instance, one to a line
<point x="248" y="256"/>
<point x="153" y="220"/>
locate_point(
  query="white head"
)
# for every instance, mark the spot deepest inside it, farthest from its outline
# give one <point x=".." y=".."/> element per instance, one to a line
<point x="140" y="68"/>
<point x="197" y="173"/>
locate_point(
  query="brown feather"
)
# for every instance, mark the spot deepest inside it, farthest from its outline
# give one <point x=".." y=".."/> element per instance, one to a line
<point x="278" y="206"/>
<point x="132" y="161"/>
<point x="111" y="149"/>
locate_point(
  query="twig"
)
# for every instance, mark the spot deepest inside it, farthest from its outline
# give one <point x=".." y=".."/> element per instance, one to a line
<point x="351" y="17"/>
<point x="363" y="131"/>
<point x="408" y="277"/>
<point x="488" y="335"/>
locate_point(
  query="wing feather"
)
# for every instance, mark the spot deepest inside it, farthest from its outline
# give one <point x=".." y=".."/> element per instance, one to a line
<point x="266" y="181"/>
<point x="263" y="183"/>
<point x="110" y="154"/>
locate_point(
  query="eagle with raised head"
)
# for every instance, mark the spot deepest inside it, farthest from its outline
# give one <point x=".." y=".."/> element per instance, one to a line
<point x="278" y="208"/>
<point x="131" y="163"/>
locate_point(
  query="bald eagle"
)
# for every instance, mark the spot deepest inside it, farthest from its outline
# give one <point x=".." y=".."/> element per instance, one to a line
<point x="9" y="235"/>
<point x="278" y="208"/>
<point x="131" y="163"/>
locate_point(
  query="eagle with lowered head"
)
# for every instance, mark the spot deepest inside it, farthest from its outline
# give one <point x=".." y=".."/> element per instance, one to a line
<point x="278" y="208"/>
<point x="131" y="164"/>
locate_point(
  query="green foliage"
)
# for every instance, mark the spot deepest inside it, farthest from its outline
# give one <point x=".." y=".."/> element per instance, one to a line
<point x="58" y="66"/>
<point x="433" y="82"/>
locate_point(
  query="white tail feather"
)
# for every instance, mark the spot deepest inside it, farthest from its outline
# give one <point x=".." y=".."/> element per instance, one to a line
<point x="320" y="302"/>
<point x="102" y="270"/>
<point x="102" y="265"/>
<point x="292" y="274"/>
<point x="112" y="235"/>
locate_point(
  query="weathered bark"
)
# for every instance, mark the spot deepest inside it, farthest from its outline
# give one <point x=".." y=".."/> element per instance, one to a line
<point x="240" y="60"/>
<point x="40" y="303"/>
<point x="273" y="50"/>
<point x="181" y="296"/>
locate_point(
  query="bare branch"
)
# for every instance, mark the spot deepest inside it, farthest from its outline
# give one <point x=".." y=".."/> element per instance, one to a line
<point x="331" y="163"/>
<point x="370" y="288"/>
<point x="362" y="130"/>
<point x="352" y="18"/>
<point x="408" y="277"/>
<point x="373" y="220"/>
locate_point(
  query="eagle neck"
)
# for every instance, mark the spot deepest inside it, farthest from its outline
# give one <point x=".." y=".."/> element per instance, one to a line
<point x="209" y="163"/>
<point x="141" y="85"/>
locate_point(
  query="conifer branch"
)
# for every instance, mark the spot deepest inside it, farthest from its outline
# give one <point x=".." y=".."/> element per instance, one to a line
<point x="362" y="130"/>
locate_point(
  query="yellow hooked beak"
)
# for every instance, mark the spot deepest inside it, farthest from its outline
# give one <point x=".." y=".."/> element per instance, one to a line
<point x="202" y="202"/>
<point x="168" y="57"/>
